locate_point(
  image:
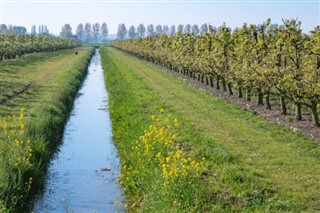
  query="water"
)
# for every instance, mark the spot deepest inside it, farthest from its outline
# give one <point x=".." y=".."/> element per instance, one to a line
<point x="75" y="181"/>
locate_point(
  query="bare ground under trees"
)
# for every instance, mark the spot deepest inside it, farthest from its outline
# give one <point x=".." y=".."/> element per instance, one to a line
<point x="304" y="127"/>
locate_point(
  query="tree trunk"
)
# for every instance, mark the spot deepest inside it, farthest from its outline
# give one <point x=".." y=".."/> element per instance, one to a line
<point x="239" y="92"/>
<point x="283" y="105"/>
<point x="260" y="97"/>
<point x="224" y="85"/>
<point x="248" y="94"/>
<point x="298" y="111"/>
<point x="194" y="75"/>
<point x="218" y="83"/>
<point x="230" y="89"/>
<point x="198" y="76"/>
<point x="207" y="80"/>
<point x="202" y="78"/>
<point x="268" y="104"/>
<point x="315" y="117"/>
<point x="211" y="81"/>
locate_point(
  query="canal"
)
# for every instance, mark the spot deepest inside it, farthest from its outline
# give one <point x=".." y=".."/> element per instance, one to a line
<point x="82" y="176"/>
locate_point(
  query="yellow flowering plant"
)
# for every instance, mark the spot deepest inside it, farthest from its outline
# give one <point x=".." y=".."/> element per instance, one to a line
<point x="159" y="167"/>
<point x="15" y="160"/>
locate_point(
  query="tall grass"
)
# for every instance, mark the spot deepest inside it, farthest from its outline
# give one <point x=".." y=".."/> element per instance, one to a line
<point x="163" y="173"/>
<point x="16" y="163"/>
<point x="26" y="147"/>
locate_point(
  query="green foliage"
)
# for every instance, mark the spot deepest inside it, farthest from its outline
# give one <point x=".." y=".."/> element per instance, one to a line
<point x="13" y="46"/>
<point x="264" y="58"/>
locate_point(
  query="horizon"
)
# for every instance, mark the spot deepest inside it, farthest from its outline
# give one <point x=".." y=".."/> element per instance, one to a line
<point x="55" y="13"/>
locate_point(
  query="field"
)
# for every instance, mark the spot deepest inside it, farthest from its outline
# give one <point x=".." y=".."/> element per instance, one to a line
<point x="251" y="164"/>
<point x="159" y="106"/>
<point x="181" y="149"/>
<point x="36" y="95"/>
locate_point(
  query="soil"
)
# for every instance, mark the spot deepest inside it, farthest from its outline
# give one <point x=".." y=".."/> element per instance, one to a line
<point x="304" y="127"/>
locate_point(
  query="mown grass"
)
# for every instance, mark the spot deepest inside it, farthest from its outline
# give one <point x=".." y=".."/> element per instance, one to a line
<point x="55" y="78"/>
<point x="252" y="164"/>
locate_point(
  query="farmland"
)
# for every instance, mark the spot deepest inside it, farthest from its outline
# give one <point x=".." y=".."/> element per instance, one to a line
<point x="37" y="93"/>
<point x="161" y="123"/>
<point x="252" y="164"/>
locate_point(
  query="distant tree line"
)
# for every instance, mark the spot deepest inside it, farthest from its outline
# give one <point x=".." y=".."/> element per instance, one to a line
<point x="150" y="30"/>
<point x="42" y="30"/>
<point x="10" y="29"/>
<point x="88" y="33"/>
<point x="21" y="30"/>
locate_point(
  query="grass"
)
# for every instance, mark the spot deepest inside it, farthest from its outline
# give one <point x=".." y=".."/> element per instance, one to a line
<point x="54" y="78"/>
<point x="252" y="164"/>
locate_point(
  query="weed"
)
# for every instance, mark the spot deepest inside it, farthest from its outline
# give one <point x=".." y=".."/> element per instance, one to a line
<point x="15" y="162"/>
<point x="160" y="169"/>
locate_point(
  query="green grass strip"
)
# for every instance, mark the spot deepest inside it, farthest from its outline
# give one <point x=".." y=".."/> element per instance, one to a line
<point x="55" y="79"/>
<point x="253" y="164"/>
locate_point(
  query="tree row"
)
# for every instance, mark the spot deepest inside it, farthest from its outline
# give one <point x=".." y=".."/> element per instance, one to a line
<point x="155" y="30"/>
<point x="88" y="33"/>
<point x="264" y="60"/>
<point x="13" y="45"/>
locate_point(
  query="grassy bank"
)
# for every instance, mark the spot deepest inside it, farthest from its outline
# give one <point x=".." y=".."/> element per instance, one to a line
<point x="250" y="164"/>
<point x="44" y="85"/>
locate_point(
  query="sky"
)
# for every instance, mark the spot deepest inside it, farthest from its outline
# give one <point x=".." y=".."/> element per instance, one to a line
<point x="56" y="13"/>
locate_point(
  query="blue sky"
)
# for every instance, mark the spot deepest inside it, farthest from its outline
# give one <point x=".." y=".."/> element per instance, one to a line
<point x="55" y="13"/>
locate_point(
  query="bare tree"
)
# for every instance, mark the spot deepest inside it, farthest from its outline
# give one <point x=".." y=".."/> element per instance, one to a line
<point x="80" y="31"/>
<point x="158" y="29"/>
<point x="195" y="29"/>
<point x="180" y="28"/>
<point x="33" y="30"/>
<point x="3" y="28"/>
<point x="172" y="30"/>
<point x="104" y="31"/>
<point x="150" y="30"/>
<point x="132" y="32"/>
<point x="87" y="29"/>
<point x="96" y="30"/>
<point x="122" y="31"/>
<point x="141" y="30"/>
<point x="204" y="29"/>
<point x="165" y="29"/>
<point x="43" y="30"/>
<point x="187" y="29"/>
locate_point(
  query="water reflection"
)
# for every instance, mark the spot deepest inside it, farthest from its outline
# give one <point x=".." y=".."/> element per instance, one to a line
<point x="76" y="181"/>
